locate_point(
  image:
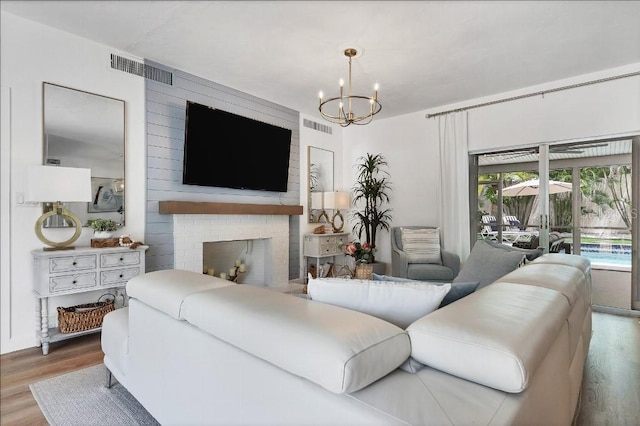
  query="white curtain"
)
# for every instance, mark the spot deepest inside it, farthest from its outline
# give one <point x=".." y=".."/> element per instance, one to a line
<point x="454" y="183"/>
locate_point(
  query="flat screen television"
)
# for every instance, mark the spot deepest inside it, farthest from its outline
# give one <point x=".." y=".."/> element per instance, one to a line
<point x="226" y="150"/>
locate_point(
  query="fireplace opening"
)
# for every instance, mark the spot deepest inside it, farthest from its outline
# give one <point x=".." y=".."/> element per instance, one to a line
<point x="252" y="255"/>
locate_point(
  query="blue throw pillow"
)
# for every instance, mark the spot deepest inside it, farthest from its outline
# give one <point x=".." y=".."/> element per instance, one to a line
<point x="458" y="290"/>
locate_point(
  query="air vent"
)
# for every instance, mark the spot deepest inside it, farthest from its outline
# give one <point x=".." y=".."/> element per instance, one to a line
<point x="317" y="126"/>
<point x="143" y="70"/>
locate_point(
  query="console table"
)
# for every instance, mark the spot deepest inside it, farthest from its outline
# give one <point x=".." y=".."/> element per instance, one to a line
<point x="59" y="273"/>
<point x="318" y="246"/>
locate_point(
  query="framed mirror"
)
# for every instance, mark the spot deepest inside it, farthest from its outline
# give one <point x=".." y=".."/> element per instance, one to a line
<point x="86" y="130"/>
<point x="320" y="179"/>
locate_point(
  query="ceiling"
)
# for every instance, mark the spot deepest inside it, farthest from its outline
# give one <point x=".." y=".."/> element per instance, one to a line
<point x="423" y="54"/>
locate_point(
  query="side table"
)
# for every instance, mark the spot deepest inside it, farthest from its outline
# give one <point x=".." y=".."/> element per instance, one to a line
<point x="319" y="246"/>
<point x="58" y="273"/>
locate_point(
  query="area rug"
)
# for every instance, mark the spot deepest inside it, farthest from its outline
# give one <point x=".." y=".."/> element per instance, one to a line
<point x="81" y="398"/>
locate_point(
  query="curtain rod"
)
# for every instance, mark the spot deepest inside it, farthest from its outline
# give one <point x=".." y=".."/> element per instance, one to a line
<point x="542" y="92"/>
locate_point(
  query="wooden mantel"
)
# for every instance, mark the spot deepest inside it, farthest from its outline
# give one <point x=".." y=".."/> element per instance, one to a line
<point x="195" y="207"/>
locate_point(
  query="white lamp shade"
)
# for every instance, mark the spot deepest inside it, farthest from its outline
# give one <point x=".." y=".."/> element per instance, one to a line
<point x="65" y="184"/>
<point x="317" y="200"/>
<point x="338" y="200"/>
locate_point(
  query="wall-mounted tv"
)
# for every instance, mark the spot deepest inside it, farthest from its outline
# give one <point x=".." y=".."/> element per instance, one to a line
<point x="227" y="150"/>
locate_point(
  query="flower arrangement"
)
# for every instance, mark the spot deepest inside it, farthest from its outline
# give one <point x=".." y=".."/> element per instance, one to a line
<point x="362" y="253"/>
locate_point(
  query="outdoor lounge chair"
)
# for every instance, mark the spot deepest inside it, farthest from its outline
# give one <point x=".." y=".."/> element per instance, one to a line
<point x="490" y="230"/>
<point x="557" y="243"/>
<point x="512" y="229"/>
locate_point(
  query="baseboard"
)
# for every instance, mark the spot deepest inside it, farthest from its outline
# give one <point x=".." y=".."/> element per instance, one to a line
<point x="615" y="311"/>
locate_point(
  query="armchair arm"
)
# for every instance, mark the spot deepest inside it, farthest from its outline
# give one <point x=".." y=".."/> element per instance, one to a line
<point x="399" y="262"/>
<point x="451" y="260"/>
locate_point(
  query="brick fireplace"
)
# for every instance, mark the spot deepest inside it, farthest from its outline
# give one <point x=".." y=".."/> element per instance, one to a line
<point x="196" y="223"/>
<point x="191" y="231"/>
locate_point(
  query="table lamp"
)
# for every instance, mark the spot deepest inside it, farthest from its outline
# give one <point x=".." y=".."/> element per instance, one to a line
<point x="338" y="200"/>
<point x="58" y="185"/>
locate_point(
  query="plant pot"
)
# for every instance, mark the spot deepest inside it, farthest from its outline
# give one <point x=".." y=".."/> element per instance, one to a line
<point x="103" y="234"/>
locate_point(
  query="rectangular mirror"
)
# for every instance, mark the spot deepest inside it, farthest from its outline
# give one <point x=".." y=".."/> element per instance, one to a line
<point x="86" y="130"/>
<point x="320" y="172"/>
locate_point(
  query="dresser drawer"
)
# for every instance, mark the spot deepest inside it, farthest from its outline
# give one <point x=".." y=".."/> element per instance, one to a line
<point x="115" y="276"/>
<point x="72" y="282"/>
<point x="72" y="263"/>
<point x="329" y="249"/>
<point x="108" y="260"/>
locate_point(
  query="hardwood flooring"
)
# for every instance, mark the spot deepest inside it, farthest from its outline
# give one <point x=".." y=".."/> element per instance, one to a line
<point x="19" y="369"/>
<point x="610" y="391"/>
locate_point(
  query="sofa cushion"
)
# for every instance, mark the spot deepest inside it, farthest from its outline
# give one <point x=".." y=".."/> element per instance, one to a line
<point x="400" y="303"/>
<point x="458" y="290"/>
<point x="421" y="245"/>
<point x="339" y="349"/>
<point x="496" y="337"/>
<point x="486" y="264"/>
<point x="166" y="290"/>
<point x="429" y="271"/>
<point x="567" y="280"/>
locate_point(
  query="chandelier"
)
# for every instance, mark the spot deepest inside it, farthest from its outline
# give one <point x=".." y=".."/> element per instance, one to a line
<point x="359" y="109"/>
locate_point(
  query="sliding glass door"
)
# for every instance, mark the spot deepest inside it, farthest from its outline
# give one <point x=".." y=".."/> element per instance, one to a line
<point x="579" y="198"/>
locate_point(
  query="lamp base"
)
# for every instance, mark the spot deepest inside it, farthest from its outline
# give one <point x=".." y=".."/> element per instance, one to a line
<point x="58" y="248"/>
<point x="337" y="226"/>
<point x="58" y="209"/>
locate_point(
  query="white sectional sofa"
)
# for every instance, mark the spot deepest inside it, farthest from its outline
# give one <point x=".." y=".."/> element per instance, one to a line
<point x="194" y="349"/>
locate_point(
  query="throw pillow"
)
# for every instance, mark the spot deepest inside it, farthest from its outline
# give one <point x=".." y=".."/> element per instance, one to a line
<point x="421" y="245"/>
<point x="487" y="263"/>
<point x="395" y="302"/>
<point x="458" y="290"/>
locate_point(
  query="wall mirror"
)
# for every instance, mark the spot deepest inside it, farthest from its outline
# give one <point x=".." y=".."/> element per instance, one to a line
<point x="86" y="130"/>
<point x="320" y="173"/>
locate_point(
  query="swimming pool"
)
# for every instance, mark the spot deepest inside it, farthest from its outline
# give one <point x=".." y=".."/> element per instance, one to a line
<point x="622" y="259"/>
<point x="609" y="254"/>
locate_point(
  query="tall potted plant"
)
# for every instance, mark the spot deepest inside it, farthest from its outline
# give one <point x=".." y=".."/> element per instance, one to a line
<point x="370" y="194"/>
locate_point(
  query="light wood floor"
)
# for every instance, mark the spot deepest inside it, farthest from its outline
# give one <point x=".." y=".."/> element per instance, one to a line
<point x="19" y="369"/>
<point x="610" y="391"/>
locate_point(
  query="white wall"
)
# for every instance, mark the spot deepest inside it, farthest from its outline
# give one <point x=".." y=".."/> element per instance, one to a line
<point x="331" y="142"/>
<point x="413" y="168"/>
<point x="33" y="54"/>
<point x="410" y="142"/>
<point x="600" y="109"/>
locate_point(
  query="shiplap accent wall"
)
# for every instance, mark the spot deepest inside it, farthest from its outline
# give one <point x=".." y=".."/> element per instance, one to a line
<point x="165" y="111"/>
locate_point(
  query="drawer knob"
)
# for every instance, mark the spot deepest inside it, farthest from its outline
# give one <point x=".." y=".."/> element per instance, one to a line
<point x="121" y="275"/>
<point x="121" y="259"/>
<point x="74" y="263"/>
<point x="75" y="281"/>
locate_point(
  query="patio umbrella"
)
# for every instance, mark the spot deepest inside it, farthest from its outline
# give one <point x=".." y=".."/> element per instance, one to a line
<point x="530" y="187"/>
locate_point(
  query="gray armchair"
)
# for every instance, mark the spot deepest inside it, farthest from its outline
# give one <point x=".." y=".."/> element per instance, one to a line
<point x="401" y="268"/>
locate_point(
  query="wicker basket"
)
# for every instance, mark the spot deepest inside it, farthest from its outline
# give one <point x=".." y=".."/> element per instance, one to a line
<point x="364" y="271"/>
<point x="83" y="317"/>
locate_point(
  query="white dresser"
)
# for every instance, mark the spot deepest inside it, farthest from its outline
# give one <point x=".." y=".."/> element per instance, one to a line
<point x="58" y="273"/>
<point x="319" y="246"/>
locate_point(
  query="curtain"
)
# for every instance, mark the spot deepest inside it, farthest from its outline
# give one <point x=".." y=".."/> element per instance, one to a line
<point x="454" y="183"/>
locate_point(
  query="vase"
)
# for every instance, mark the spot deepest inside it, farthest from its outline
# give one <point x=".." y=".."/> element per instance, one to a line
<point x="102" y="234"/>
<point x="363" y="271"/>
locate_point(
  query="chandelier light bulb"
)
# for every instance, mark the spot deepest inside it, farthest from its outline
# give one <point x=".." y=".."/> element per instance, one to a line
<point x="341" y="82"/>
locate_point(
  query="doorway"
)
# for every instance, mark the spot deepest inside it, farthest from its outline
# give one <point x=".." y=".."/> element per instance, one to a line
<point x="578" y="198"/>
